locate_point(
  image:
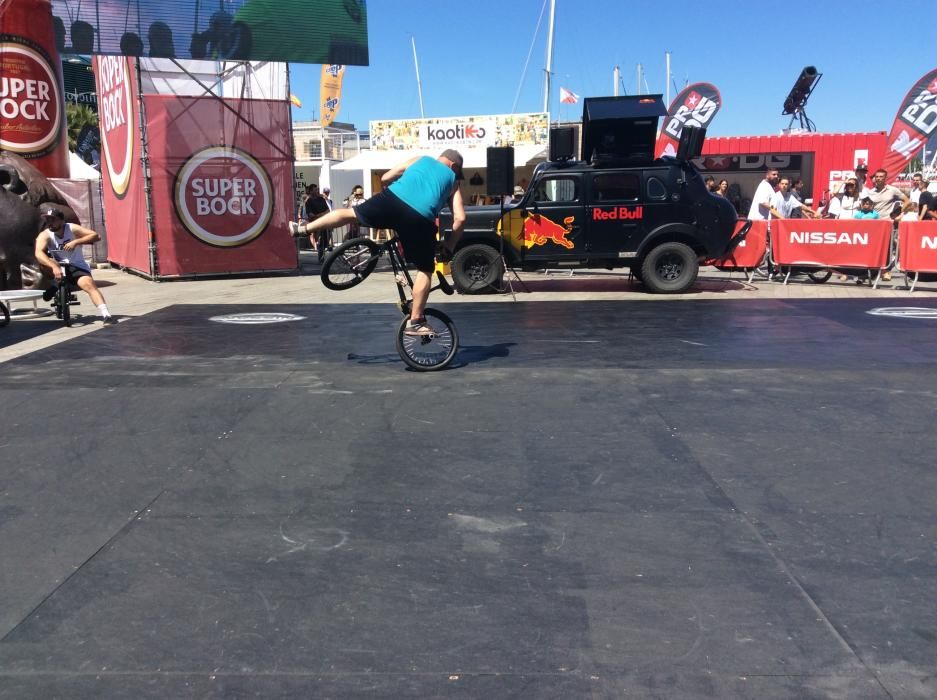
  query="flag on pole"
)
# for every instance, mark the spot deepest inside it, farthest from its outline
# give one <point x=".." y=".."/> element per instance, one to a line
<point x="696" y="105"/>
<point x="913" y="127"/>
<point x="295" y="100"/>
<point x="568" y="96"/>
<point x="330" y="92"/>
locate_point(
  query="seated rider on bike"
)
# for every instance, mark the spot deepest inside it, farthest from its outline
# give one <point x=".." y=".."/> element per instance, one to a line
<point x="417" y="190"/>
<point x="59" y="241"/>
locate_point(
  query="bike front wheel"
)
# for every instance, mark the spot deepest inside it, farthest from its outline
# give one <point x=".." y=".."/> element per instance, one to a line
<point x="427" y="353"/>
<point x="64" y="311"/>
<point x="350" y="263"/>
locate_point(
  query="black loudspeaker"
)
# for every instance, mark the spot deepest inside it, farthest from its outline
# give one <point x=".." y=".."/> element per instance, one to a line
<point x="500" y="170"/>
<point x="691" y="142"/>
<point x="561" y="143"/>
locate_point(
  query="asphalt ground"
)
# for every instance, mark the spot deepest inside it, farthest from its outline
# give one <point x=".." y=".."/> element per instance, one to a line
<point x="727" y="494"/>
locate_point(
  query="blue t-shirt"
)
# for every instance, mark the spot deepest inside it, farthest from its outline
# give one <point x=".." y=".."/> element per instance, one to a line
<point x="866" y="214"/>
<point x="425" y="186"/>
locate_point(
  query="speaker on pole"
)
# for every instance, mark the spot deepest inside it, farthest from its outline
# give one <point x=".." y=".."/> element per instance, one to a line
<point x="500" y="170"/>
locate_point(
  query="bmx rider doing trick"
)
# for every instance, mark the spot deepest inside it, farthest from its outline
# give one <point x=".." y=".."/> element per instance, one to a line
<point x="415" y="192"/>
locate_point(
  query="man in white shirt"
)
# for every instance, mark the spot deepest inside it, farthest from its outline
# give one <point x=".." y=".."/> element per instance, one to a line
<point x="784" y="205"/>
<point x="761" y="202"/>
<point x="917" y="186"/>
<point x="845" y="202"/>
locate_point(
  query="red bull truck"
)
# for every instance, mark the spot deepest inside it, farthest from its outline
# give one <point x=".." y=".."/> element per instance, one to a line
<point x="618" y="207"/>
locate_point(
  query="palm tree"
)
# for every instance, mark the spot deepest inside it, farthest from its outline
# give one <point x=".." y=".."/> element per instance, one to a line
<point x="78" y="117"/>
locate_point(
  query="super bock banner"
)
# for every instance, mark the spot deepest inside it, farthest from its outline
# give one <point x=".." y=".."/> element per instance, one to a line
<point x="915" y="124"/>
<point x="696" y="105"/>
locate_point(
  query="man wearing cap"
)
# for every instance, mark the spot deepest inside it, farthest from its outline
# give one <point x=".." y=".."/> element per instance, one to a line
<point x="59" y="242"/>
<point x="415" y="192"/>
<point x="862" y="170"/>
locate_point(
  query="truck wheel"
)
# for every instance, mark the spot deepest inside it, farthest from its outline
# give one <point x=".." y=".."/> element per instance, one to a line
<point x="670" y="268"/>
<point x="477" y="269"/>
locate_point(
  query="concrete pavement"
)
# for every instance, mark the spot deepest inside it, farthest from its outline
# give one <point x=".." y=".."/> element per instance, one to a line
<point x="129" y="295"/>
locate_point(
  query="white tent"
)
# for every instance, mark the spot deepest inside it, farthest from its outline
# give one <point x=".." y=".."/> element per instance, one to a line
<point x="473" y="158"/>
<point x="475" y="162"/>
<point x="79" y="170"/>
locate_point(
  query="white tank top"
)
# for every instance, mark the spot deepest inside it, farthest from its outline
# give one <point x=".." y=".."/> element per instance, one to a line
<point x="59" y="254"/>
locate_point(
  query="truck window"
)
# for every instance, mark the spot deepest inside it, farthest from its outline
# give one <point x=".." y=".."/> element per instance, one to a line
<point x="557" y="189"/>
<point x="656" y="189"/>
<point x="615" y="187"/>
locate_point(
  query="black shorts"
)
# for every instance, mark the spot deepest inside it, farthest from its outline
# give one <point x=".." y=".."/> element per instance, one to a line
<point x="417" y="233"/>
<point x="75" y="274"/>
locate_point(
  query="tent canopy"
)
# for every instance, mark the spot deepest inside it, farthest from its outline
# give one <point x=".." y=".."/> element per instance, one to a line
<point x="473" y="158"/>
<point x="79" y="170"/>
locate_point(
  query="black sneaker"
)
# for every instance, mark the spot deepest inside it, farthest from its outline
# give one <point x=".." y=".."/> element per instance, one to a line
<point x="49" y="293"/>
<point x="109" y="321"/>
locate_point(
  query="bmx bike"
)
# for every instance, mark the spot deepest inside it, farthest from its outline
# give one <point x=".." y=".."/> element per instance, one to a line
<point x="353" y="261"/>
<point x="64" y="297"/>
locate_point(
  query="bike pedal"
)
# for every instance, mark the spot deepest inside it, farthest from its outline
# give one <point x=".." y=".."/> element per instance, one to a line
<point x="74" y="303"/>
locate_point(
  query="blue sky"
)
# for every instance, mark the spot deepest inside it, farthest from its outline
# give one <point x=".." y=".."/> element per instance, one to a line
<point x="472" y="54"/>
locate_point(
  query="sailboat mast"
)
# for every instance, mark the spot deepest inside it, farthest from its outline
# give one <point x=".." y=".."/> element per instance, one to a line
<point x="419" y="85"/>
<point x="549" y="68"/>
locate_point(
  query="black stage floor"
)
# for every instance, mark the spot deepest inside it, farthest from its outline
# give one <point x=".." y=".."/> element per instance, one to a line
<point x="603" y="499"/>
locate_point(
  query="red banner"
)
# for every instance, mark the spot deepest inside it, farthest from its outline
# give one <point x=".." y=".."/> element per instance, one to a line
<point x="32" y="103"/>
<point x="128" y="236"/>
<point x="915" y="124"/>
<point x="861" y="243"/>
<point x="750" y="252"/>
<point x="917" y="246"/>
<point x="696" y="105"/>
<point x="222" y="185"/>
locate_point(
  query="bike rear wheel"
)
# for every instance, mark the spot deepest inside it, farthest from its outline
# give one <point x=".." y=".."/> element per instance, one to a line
<point x="350" y="263"/>
<point x="433" y="352"/>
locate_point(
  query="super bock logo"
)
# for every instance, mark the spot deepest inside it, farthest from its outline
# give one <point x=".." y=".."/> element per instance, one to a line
<point x="223" y="196"/>
<point x="115" y="107"/>
<point x="30" y="109"/>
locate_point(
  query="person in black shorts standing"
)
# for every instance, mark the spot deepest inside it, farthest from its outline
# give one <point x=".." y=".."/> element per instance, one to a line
<point x="416" y="191"/>
<point x="315" y="208"/>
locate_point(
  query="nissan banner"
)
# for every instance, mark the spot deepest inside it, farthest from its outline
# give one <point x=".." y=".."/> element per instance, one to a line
<point x="917" y="246"/>
<point x="860" y="243"/>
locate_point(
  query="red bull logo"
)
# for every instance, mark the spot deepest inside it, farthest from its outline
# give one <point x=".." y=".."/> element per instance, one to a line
<point x="617" y="214"/>
<point x="538" y="230"/>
